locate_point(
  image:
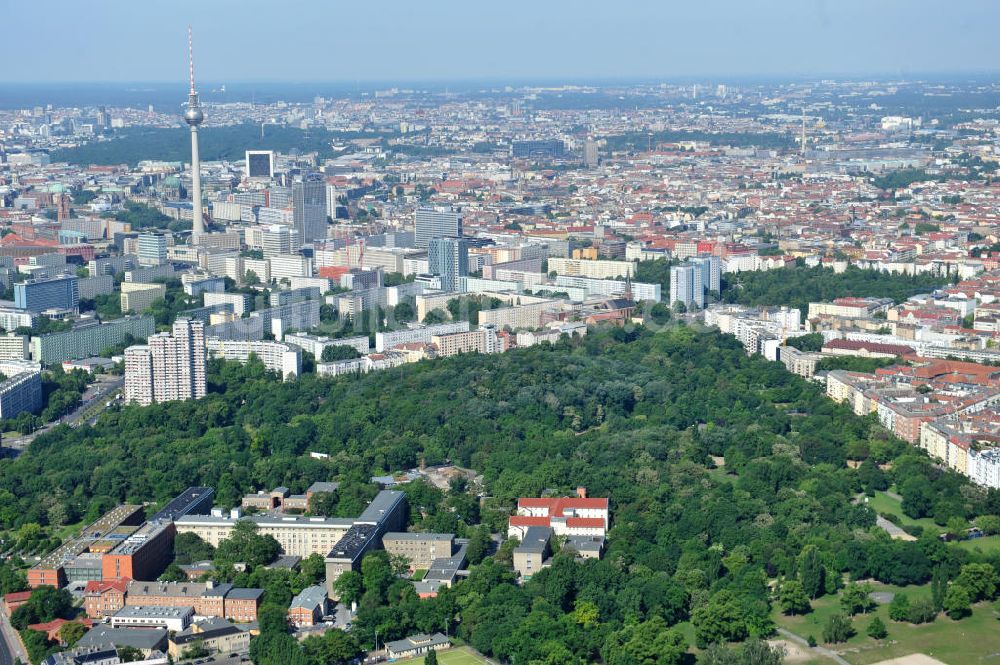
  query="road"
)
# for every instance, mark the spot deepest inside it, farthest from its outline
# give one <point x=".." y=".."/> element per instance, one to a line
<point x="817" y="649"/>
<point x="891" y="529"/>
<point x="10" y="646"/>
<point x="95" y="394"/>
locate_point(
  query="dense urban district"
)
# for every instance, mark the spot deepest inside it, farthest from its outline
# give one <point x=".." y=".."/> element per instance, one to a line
<point x="638" y="375"/>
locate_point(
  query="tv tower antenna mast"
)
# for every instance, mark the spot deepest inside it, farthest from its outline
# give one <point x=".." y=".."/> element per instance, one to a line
<point x="194" y="116"/>
<point x="802" y="148"/>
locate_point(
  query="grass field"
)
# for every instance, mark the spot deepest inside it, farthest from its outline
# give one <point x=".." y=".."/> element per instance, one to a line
<point x="458" y="656"/>
<point x="883" y="503"/>
<point x="975" y="639"/>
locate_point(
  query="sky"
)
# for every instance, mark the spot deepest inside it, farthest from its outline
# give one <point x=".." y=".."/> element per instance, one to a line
<point x="506" y="41"/>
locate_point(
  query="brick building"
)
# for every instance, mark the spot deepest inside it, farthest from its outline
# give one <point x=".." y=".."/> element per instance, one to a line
<point x="102" y="599"/>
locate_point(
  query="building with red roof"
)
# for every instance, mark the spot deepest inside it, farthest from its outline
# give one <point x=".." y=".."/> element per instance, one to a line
<point x="12" y="601"/>
<point x="103" y="598"/>
<point x="51" y="628"/>
<point x="566" y="516"/>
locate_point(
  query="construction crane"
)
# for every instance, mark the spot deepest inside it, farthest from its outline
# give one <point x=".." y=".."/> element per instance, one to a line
<point x="361" y="253"/>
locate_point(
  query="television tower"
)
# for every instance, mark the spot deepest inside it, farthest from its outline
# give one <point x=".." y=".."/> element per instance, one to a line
<point x="194" y="117"/>
<point x="802" y="148"/>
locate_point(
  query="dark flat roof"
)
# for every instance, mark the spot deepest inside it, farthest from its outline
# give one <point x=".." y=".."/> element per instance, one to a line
<point x="184" y="503"/>
<point x="381" y="506"/>
<point x="354" y="543"/>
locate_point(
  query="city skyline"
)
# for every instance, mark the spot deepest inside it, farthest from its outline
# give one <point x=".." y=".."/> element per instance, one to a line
<point x="595" y="41"/>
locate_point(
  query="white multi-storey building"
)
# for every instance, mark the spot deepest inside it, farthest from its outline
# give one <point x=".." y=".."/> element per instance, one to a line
<point x="597" y="269"/>
<point x="316" y="345"/>
<point x="239" y="301"/>
<point x="612" y="288"/>
<point x="277" y="357"/>
<point x="686" y="286"/>
<point x="290" y="265"/>
<point x="169" y="367"/>
<point x="416" y="333"/>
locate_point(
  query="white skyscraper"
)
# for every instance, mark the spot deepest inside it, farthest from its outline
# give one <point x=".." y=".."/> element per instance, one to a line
<point x="711" y="271"/>
<point x="435" y="223"/>
<point x="194" y="117"/>
<point x="169" y="367"/>
<point x="686" y="286"/>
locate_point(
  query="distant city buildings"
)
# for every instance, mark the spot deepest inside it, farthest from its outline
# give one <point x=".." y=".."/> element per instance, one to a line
<point x="538" y="148"/>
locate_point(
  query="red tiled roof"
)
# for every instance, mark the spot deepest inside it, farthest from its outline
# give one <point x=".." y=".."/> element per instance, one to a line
<point x="524" y="520"/>
<point x="100" y="586"/>
<point x="49" y="626"/>
<point x="559" y="505"/>
<point x="17" y="597"/>
<point x="585" y="522"/>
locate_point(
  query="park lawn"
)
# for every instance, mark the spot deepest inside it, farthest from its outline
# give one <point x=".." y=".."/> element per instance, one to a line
<point x="986" y="545"/>
<point x="971" y="640"/>
<point x="457" y="656"/>
<point x="883" y="503"/>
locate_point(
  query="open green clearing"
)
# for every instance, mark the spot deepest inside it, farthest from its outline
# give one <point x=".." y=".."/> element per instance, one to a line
<point x="460" y="656"/>
<point x="883" y="503"/>
<point x="972" y="640"/>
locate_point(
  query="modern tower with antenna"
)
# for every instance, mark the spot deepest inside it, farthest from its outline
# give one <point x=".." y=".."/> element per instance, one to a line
<point x="802" y="148"/>
<point x="194" y="116"/>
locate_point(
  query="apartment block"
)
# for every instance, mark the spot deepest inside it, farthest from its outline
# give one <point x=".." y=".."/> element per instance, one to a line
<point x="416" y="333"/>
<point x="22" y="390"/>
<point x="89" y="339"/>
<point x="137" y="297"/>
<point x="171" y="366"/>
<point x="599" y="269"/>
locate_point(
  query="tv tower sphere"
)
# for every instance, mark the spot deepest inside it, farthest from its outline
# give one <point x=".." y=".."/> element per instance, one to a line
<point x="194" y="115"/>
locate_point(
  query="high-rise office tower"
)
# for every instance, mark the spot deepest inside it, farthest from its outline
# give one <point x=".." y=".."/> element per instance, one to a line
<point x="38" y="295"/>
<point x="590" y="154"/>
<point x="278" y="239"/>
<point x="332" y="194"/>
<point x="169" y="367"/>
<point x="686" y="286"/>
<point x="448" y="258"/>
<point x="309" y="209"/>
<point x="194" y="116"/>
<point x="436" y="223"/>
<point x="260" y="164"/>
<point x="151" y="249"/>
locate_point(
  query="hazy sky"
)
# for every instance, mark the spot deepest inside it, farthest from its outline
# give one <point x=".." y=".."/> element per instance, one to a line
<point x="507" y="40"/>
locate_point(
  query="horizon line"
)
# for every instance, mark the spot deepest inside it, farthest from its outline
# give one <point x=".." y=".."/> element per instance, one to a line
<point x="914" y="76"/>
